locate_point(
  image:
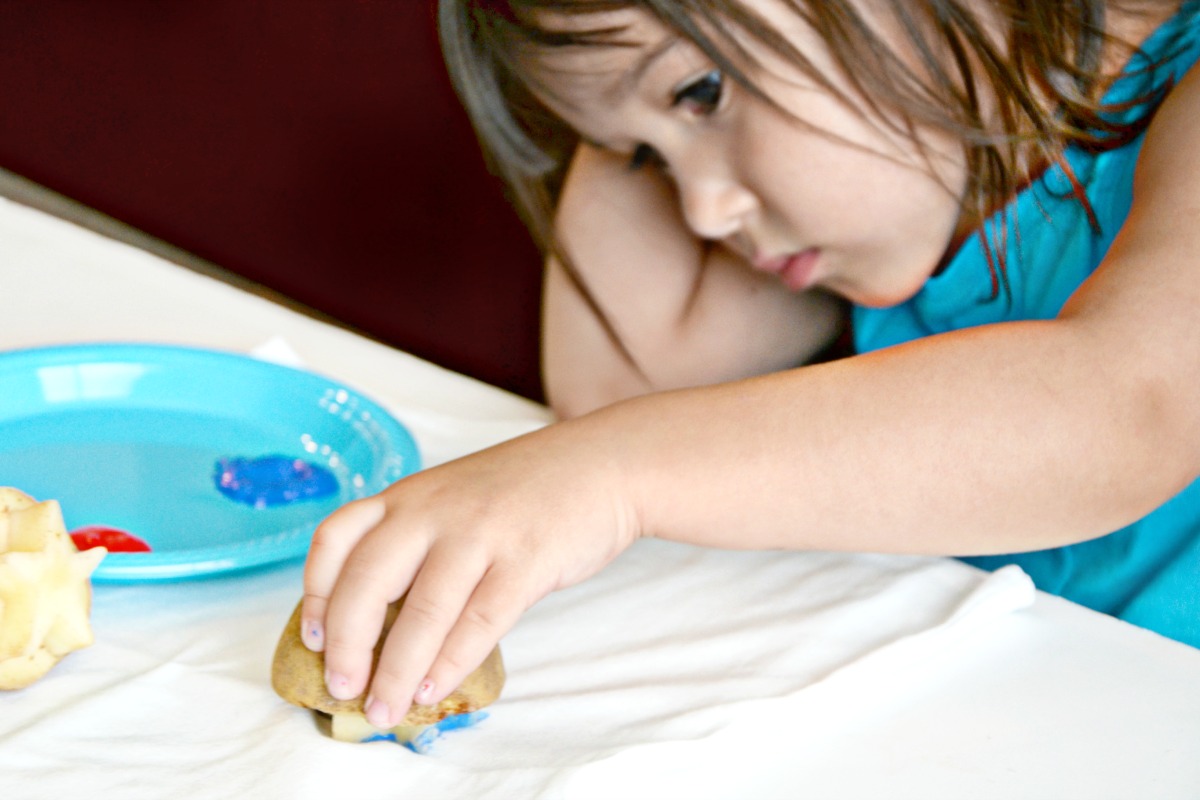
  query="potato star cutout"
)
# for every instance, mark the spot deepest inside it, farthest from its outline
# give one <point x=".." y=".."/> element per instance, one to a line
<point x="45" y="589"/>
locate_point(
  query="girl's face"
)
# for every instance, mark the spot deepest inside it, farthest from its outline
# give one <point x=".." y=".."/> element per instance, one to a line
<point x="837" y="199"/>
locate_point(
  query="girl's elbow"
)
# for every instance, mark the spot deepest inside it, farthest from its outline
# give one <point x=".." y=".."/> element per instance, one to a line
<point x="570" y="401"/>
<point x="567" y="408"/>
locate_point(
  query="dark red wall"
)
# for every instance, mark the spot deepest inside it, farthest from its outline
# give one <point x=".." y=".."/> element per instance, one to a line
<point x="314" y="146"/>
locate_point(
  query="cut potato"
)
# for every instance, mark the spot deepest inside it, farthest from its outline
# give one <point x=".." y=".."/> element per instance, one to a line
<point x="45" y="589"/>
<point x="298" y="676"/>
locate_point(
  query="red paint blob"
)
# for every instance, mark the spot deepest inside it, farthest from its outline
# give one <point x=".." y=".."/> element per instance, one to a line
<point x="113" y="539"/>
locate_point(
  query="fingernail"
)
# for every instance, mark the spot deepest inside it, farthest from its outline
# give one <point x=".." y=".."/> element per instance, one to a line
<point x="424" y="693"/>
<point x="339" y="686"/>
<point x="378" y="713"/>
<point x="312" y="633"/>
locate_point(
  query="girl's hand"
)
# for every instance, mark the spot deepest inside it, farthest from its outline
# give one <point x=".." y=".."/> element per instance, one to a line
<point x="474" y="543"/>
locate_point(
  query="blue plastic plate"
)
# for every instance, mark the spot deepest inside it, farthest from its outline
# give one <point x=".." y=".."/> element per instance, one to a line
<point x="128" y="435"/>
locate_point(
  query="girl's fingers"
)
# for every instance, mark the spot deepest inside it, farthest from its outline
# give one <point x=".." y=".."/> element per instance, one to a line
<point x="435" y="600"/>
<point x="492" y="611"/>
<point x="377" y="572"/>
<point x="332" y="543"/>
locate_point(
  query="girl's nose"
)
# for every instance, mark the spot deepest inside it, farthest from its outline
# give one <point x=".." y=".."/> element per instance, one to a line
<point x="715" y="208"/>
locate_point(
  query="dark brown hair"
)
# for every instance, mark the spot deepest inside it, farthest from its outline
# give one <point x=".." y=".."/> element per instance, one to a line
<point x="1016" y="81"/>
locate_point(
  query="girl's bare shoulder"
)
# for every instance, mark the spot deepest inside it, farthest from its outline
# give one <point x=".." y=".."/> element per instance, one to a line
<point x="1148" y="285"/>
<point x="1169" y="165"/>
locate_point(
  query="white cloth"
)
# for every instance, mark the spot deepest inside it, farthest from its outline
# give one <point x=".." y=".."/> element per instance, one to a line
<point x="662" y="676"/>
<point x="670" y="645"/>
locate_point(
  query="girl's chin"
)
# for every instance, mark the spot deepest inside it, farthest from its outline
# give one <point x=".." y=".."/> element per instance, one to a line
<point x="874" y="296"/>
<point x="867" y="299"/>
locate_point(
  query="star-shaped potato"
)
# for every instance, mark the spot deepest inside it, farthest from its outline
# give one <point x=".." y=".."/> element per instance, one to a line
<point x="45" y="589"/>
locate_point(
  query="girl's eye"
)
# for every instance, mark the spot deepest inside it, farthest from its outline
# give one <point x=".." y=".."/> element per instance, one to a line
<point x="646" y="156"/>
<point x="702" y="95"/>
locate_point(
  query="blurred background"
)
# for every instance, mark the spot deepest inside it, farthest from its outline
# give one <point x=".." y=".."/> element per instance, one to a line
<point x="310" y="150"/>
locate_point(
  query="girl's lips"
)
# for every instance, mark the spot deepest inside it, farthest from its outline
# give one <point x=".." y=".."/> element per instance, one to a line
<point x="797" y="270"/>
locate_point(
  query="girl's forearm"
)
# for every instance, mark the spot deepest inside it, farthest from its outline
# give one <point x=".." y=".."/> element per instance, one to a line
<point x="999" y="439"/>
<point x="732" y="324"/>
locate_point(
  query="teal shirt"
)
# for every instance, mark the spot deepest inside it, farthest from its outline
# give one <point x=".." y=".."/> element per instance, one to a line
<point x="1149" y="572"/>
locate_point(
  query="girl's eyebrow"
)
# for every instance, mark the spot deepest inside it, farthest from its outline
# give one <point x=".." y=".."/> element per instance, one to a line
<point x="635" y="75"/>
<point x="652" y="54"/>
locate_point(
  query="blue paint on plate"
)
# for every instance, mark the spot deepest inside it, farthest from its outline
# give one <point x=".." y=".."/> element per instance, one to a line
<point x="269" y="481"/>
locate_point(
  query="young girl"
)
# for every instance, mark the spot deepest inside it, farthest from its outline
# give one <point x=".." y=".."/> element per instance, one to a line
<point x="1006" y="197"/>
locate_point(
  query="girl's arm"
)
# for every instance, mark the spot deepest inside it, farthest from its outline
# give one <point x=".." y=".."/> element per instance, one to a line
<point x="690" y="314"/>
<point x="1004" y="438"/>
<point x="995" y="439"/>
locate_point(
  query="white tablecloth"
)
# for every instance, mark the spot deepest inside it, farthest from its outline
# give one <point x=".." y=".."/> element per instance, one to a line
<point x="677" y="672"/>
